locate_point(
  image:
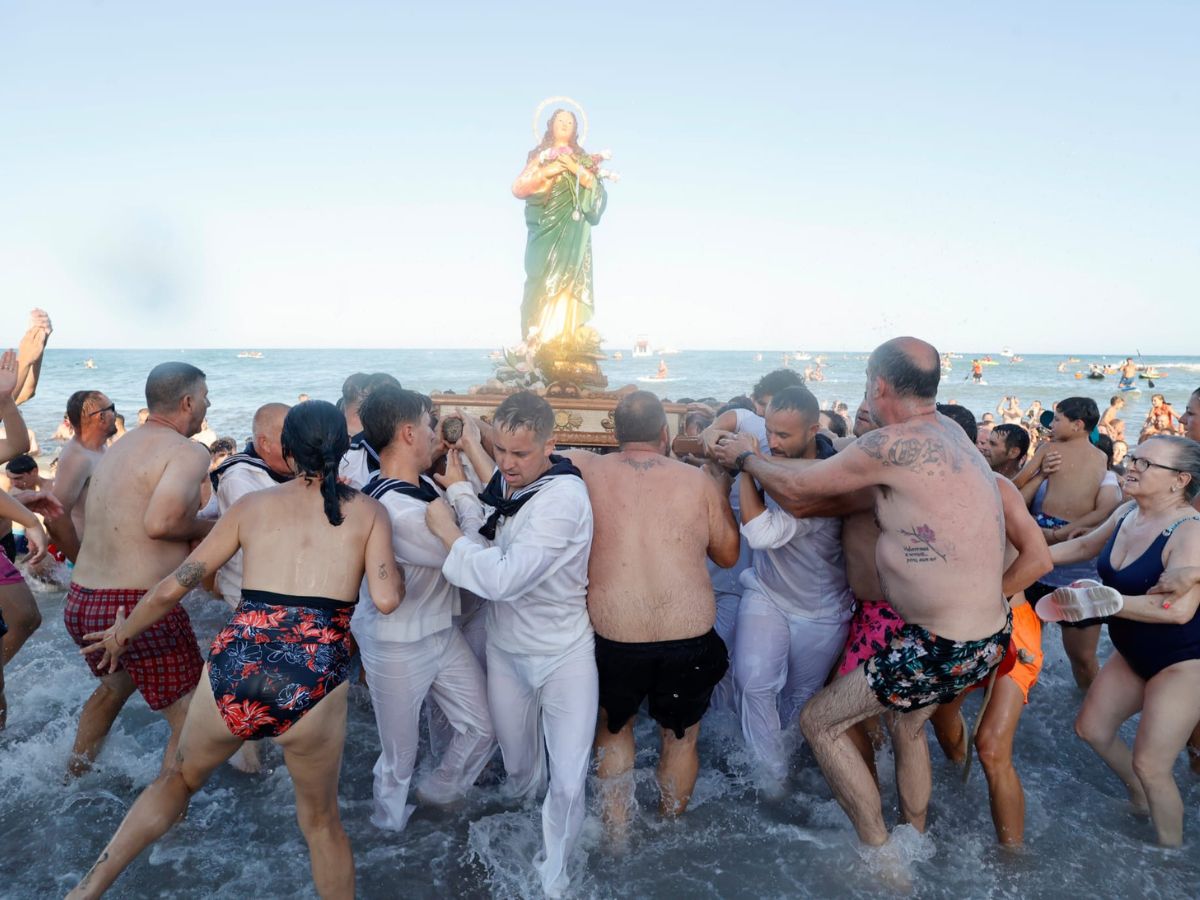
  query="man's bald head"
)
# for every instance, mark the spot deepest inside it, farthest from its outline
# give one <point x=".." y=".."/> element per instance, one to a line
<point x="268" y="431"/>
<point x="911" y="366"/>
<point x="639" y="419"/>
<point x="268" y="419"/>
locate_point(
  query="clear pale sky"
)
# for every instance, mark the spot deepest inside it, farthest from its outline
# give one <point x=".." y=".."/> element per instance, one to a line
<point x="794" y="175"/>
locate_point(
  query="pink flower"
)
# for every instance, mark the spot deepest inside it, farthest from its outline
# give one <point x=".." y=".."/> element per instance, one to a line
<point x="925" y="533"/>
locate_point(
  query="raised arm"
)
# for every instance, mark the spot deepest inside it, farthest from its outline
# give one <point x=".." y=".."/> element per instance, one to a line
<point x="29" y="355"/>
<point x="16" y="439"/>
<point x="172" y="514"/>
<point x="800" y="489"/>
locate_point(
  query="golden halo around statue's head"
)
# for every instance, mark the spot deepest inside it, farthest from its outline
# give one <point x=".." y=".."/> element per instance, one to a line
<point x="581" y="131"/>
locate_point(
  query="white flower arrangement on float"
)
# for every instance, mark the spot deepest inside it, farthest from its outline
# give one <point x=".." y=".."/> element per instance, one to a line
<point x="519" y="368"/>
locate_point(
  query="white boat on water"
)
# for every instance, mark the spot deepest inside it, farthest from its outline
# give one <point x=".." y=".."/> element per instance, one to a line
<point x="641" y="347"/>
<point x="1007" y="351"/>
<point x="250" y="354"/>
<point x="802" y="356"/>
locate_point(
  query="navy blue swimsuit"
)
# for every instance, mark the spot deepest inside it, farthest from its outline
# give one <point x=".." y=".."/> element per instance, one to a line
<point x="1147" y="647"/>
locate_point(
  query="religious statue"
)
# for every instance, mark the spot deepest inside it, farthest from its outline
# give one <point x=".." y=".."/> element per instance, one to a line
<point x="562" y="186"/>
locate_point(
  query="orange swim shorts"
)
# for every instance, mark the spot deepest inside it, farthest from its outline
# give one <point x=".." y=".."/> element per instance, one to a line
<point x="1023" y="662"/>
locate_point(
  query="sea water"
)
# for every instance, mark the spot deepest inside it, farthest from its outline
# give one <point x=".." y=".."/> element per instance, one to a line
<point x="240" y="837"/>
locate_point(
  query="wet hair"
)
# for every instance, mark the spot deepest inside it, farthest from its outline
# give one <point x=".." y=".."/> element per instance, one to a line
<point x="774" y="382"/>
<point x="385" y="409"/>
<point x="963" y="417"/>
<point x="1105" y="443"/>
<point x="21" y="465"/>
<point x="315" y="439"/>
<point x="1080" y="409"/>
<point x="75" y="404"/>
<point x="547" y="140"/>
<point x="170" y="382"/>
<point x="222" y="445"/>
<point x="739" y="402"/>
<point x="352" y="388"/>
<point x="1014" y="437"/>
<point x="638" y="418"/>
<point x="1159" y="397"/>
<point x="796" y="398"/>
<point x="837" y="422"/>
<point x="1187" y="460"/>
<point x="907" y="376"/>
<point x="1115" y="399"/>
<point x="525" y="409"/>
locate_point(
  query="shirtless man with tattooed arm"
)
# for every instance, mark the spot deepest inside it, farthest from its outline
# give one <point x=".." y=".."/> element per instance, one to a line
<point x="940" y="557"/>
<point x="140" y="520"/>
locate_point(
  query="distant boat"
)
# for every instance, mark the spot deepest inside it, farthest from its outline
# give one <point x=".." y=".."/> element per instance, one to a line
<point x="89" y="363"/>
<point x="758" y="357"/>
<point x="250" y="354"/>
<point x="665" y="351"/>
<point x="802" y="356"/>
<point x="618" y="355"/>
<point x="1152" y="373"/>
<point x="1007" y="351"/>
<point x="641" y="347"/>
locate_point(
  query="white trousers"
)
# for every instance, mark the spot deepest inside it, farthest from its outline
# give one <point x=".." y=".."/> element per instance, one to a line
<point x="780" y="660"/>
<point x="724" y="695"/>
<point x="472" y="625"/>
<point x="546" y="706"/>
<point x="400" y="674"/>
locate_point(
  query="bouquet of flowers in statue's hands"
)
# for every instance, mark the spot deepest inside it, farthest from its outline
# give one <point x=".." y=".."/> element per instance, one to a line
<point x="590" y="161"/>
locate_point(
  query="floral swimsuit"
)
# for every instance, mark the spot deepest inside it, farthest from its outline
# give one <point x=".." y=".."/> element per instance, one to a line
<point x="917" y="668"/>
<point x="276" y="658"/>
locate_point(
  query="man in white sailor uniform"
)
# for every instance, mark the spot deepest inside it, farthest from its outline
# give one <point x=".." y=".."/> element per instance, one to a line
<point x="542" y="681"/>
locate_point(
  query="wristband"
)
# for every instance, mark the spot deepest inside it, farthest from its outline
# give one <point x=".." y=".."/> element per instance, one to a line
<point x="739" y="462"/>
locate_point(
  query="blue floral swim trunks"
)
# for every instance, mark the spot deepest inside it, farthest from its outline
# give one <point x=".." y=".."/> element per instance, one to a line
<point x="918" y="669"/>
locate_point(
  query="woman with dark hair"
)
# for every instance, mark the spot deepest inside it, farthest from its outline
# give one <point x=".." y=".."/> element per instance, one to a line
<point x="1149" y="543"/>
<point x="278" y="669"/>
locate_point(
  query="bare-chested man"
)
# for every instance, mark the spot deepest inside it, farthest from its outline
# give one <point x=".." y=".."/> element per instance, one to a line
<point x="94" y="418"/>
<point x="140" y="519"/>
<point x="940" y="559"/>
<point x="651" y="601"/>
<point x="1068" y="487"/>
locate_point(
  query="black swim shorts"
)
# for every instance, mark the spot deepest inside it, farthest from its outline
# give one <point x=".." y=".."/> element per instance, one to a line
<point x="678" y="677"/>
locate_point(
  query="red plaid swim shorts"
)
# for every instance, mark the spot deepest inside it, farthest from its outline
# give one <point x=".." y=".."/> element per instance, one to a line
<point x="164" y="660"/>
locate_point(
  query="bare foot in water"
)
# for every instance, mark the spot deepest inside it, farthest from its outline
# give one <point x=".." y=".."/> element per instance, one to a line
<point x="247" y="759"/>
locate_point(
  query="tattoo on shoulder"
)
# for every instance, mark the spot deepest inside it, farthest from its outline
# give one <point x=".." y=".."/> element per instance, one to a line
<point x="642" y="465"/>
<point x="190" y="574"/>
<point x="906" y="452"/>
<point x="383" y="573"/>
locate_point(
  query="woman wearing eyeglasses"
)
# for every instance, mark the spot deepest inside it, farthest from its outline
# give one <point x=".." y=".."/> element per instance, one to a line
<point x="1147" y="543"/>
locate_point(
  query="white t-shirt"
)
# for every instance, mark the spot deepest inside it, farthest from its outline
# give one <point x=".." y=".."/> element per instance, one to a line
<point x="429" y="599"/>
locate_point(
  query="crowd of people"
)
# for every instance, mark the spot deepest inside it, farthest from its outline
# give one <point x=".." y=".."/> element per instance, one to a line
<point x="825" y="575"/>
